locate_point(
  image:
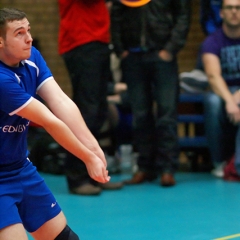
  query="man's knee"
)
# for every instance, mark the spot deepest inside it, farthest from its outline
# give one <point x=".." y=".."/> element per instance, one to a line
<point x="67" y="234"/>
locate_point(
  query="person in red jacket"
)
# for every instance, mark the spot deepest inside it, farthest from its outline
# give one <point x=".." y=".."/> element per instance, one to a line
<point x="84" y="37"/>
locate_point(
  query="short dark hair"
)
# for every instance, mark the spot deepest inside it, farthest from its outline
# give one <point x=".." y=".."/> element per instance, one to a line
<point x="222" y="4"/>
<point x="9" y="15"/>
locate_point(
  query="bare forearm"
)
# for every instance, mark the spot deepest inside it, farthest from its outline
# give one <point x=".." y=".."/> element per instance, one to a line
<point x="37" y="112"/>
<point x="220" y="87"/>
<point x="213" y="70"/>
<point x="64" y="136"/>
<point x="68" y="112"/>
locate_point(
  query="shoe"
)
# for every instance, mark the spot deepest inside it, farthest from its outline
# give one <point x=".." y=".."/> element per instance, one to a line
<point x="194" y="82"/>
<point x="167" y="180"/>
<point x="232" y="178"/>
<point x="230" y="172"/>
<point x="140" y="177"/>
<point x="111" y="185"/>
<point x="218" y="170"/>
<point x="86" y="189"/>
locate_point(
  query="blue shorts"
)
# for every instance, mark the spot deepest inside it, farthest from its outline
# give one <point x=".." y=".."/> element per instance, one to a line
<point x="25" y="198"/>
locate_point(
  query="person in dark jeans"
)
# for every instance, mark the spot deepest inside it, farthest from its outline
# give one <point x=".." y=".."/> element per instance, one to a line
<point x="147" y="38"/>
<point x="221" y="59"/>
<point x="84" y="45"/>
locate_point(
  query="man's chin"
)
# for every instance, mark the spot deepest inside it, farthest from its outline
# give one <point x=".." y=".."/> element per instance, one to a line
<point x="27" y="55"/>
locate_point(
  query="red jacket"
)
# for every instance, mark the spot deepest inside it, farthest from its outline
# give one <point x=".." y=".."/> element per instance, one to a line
<point x="81" y="22"/>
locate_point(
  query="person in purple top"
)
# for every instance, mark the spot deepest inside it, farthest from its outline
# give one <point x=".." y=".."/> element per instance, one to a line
<point x="221" y="59"/>
<point x="25" y="200"/>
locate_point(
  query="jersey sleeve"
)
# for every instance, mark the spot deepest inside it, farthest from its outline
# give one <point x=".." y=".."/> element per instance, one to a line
<point x="19" y="86"/>
<point x="43" y="71"/>
<point x="210" y="45"/>
<point x="12" y="96"/>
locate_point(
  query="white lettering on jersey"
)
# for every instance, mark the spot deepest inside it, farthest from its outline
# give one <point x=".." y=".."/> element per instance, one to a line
<point x="13" y="129"/>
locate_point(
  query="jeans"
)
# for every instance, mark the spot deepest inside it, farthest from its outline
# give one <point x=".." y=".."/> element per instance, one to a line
<point x="222" y="135"/>
<point x="89" y="69"/>
<point x="152" y="80"/>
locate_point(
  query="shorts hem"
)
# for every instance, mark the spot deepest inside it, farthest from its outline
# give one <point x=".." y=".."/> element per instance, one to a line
<point x="43" y="222"/>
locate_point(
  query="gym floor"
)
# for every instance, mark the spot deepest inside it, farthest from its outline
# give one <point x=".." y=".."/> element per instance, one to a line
<point x="199" y="207"/>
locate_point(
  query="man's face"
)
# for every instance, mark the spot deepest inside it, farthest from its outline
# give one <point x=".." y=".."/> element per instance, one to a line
<point x="16" y="45"/>
<point x="230" y="13"/>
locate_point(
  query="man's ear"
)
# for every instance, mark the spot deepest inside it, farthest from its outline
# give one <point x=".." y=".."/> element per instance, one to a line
<point x="1" y="42"/>
<point x="221" y="14"/>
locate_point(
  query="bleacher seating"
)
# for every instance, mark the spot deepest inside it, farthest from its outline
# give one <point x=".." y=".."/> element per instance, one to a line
<point x="196" y="141"/>
<point x="192" y="139"/>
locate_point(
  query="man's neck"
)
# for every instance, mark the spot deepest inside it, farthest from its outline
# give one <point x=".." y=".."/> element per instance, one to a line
<point x="231" y="32"/>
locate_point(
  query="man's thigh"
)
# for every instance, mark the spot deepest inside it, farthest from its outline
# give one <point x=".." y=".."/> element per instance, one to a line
<point x="15" y="231"/>
<point x="50" y="229"/>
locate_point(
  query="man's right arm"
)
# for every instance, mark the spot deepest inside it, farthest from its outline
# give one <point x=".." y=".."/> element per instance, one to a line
<point x="214" y="73"/>
<point x="38" y="113"/>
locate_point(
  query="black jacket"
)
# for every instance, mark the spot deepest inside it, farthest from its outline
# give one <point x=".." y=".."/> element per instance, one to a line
<point x="160" y="24"/>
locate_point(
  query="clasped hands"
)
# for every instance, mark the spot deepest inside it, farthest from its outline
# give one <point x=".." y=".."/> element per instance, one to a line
<point x="233" y="109"/>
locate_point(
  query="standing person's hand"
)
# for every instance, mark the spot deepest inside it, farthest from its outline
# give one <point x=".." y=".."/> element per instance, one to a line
<point x="120" y="87"/>
<point x="124" y="54"/>
<point x="165" y="56"/>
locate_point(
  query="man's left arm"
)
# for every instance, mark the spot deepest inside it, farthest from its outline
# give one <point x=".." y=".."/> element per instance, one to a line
<point x="213" y="70"/>
<point x="67" y="111"/>
<point x="181" y="13"/>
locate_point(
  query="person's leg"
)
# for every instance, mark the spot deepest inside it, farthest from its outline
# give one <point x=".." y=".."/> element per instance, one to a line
<point x="237" y="151"/>
<point x="56" y="229"/>
<point x="26" y="202"/>
<point x="88" y="67"/>
<point x="50" y="229"/>
<point x="219" y="131"/>
<point x="140" y="95"/>
<point x="15" y="231"/>
<point x="11" y="194"/>
<point x="213" y="110"/>
<point x="139" y="84"/>
<point x="38" y="209"/>
<point x="166" y="97"/>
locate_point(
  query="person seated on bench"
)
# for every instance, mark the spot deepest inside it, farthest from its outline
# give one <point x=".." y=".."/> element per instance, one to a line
<point x="221" y="59"/>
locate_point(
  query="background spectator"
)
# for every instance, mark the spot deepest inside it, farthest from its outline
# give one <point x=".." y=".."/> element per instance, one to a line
<point x="147" y="39"/>
<point x="210" y="20"/>
<point x="84" y="45"/>
<point x="221" y="59"/>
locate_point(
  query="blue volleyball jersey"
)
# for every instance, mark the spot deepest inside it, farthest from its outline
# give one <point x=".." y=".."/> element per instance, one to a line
<point x="18" y="86"/>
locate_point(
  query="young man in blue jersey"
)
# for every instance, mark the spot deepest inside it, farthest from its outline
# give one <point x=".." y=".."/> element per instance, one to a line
<point x="25" y="200"/>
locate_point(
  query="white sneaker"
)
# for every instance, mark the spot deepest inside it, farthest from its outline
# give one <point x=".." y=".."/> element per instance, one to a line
<point x="113" y="164"/>
<point x="194" y="82"/>
<point x="218" y="170"/>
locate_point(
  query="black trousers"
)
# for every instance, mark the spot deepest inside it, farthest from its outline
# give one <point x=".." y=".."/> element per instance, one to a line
<point x="89" y="69"/>
<point x="152" y="80"/>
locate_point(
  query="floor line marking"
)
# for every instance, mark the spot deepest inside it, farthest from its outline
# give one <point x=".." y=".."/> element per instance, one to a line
<point x="228" y="237"/>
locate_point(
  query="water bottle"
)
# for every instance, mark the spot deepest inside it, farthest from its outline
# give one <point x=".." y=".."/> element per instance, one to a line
<point x="126" y="158"/>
